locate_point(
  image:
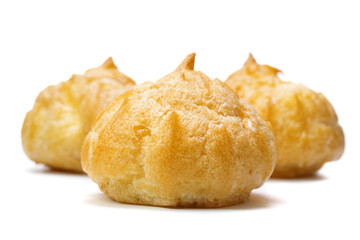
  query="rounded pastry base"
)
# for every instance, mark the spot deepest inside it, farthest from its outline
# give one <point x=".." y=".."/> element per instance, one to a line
<point x="295" y="171"/>
<point x="61" y="168"/>
<point x="183" y="202"/>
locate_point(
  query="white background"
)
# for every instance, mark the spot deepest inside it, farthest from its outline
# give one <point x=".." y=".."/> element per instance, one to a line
<point x="43" y="43"/>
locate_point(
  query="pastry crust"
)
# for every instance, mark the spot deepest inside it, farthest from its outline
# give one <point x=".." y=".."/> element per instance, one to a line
<point x="62" y="115"/>
<point x="183" y="141"/>
<point x="305" y="124"/>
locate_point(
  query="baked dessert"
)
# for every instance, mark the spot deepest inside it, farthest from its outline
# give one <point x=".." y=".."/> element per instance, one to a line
<point x="62" y="115"/>
<point x="304" y="123"/>
<point x="184" y="141"/>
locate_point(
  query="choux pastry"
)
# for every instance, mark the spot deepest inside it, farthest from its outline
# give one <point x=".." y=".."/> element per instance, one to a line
<point x="184" y="141"/>
<point x="62" y="115"/>
<point x="304" y="123"/>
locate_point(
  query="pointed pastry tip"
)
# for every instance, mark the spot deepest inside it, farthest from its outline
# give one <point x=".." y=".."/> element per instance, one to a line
<point x="252" y="65"/>
<point x="187" y="63"/>
<point x="250" y="59"/>
<point x="109" y="63"/>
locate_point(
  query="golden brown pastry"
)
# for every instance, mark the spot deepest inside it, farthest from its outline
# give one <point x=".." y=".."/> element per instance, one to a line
<point x="183" y="141"/>
<point x="305" y="124"/>
<point x="62" y="115"/>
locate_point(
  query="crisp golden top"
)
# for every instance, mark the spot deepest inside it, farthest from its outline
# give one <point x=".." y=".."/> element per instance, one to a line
<point x="183" y="139"/>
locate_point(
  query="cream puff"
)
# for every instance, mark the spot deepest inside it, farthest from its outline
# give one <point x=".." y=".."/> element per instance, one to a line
<point x="54" y="129"/>
<point x="304" y="122"/>
<point x="184" y="141"/>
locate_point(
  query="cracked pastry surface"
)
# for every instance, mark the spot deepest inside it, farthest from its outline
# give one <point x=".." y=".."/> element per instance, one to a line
<point x="62" y="115"/>
<point x="304" y="122"/>
<point x="183" y="141"/>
